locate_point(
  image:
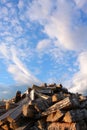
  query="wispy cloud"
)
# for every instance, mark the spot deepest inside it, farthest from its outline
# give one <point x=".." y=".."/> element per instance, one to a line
<point x="82" y="5"/>
<point x="63" y="21"/>
<point x="44" y="44"/>
<point x="14" y="49"/>
<point x="15" y="66"/>
<point x="79" y="81"/>
<point x="35" y="33"/>
<point x="59" y="22"/>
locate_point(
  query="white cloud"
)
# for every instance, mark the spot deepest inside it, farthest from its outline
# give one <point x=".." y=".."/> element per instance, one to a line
<point x="82" y="4"/>
<point x="9" y="39"/>
<point x="51" y="49"/>
<point x="20" y="77"/>
<point x="4" y="51"/>
<point x="5" y="92"/>
<point x="3" y="12"/>
<point x="20" y="4"/>
<point x="83" y="62"/>
<point x="61" y="22"/>
<point x="15" y="66"/>
<point x="79" y="80"/>
<point x="44" y="44"/>
<point x="40" y="9"/>
<point x="61" y="26"/>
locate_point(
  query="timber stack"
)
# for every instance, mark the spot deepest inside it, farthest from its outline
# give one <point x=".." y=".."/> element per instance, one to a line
<point x="53" y="108"/>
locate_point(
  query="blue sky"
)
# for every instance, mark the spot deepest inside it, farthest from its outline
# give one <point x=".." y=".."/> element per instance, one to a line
<point x="43" y="41"/>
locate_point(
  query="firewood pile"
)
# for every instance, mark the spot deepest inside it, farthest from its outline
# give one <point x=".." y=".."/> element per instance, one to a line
<point x="53" y="108"/>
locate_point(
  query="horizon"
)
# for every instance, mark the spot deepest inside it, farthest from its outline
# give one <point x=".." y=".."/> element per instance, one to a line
<point x="43" y="41"/>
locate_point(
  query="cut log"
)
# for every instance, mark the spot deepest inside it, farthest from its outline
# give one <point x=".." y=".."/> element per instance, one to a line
<point x="64" y="126"/>
<point x="5" y="127"/>
<point x="43" y="85"/>
<point x="29" y="110"/>
<point x="2" y="111"/>
<point x="67" y="95"/>
<point x="55" y="116"/>
<point x="41" y="124"/>
<point x="43" y="104"/>
<point x="83" y="125"/>
<point x="39" y="103"/>
<point x="83" y="104"/>
<point x="4" y="116"/>
<point x="59" y="86"/>
<point x="14" y="114"/>
<point x="1" y="128"/>
<point x="63" y="104"/>
<point x="40" y="95"/>
<point x="75" y="115"/>
<point x="56" y="88"/>
<point x="53" y="108"/>
<point x="2" y="104"/>
<point x="26" y="126"/>
<point x="43" y="90"/>
<point x="57" y="97"/>
<point x="52" y="85"/>
<point x="7" y="105"/>
<point x="82" y="98"/>
<point x="10" y="105"/>
<point x="64" y="90"/>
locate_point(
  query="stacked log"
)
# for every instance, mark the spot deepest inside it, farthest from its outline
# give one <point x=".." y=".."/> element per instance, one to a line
<point x="54" y="108"/>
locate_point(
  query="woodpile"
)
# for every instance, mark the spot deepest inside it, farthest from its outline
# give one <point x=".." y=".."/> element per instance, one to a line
<point x="53" y="108"/>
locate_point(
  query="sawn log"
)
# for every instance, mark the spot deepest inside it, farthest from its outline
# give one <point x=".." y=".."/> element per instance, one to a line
<point x="63" y="104"/>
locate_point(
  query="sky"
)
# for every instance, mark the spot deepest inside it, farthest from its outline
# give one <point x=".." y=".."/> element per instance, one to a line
<point x="43" y="41"/>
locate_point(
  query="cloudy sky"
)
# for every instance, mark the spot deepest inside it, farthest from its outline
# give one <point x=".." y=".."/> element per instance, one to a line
<point x="43" y="41"/>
